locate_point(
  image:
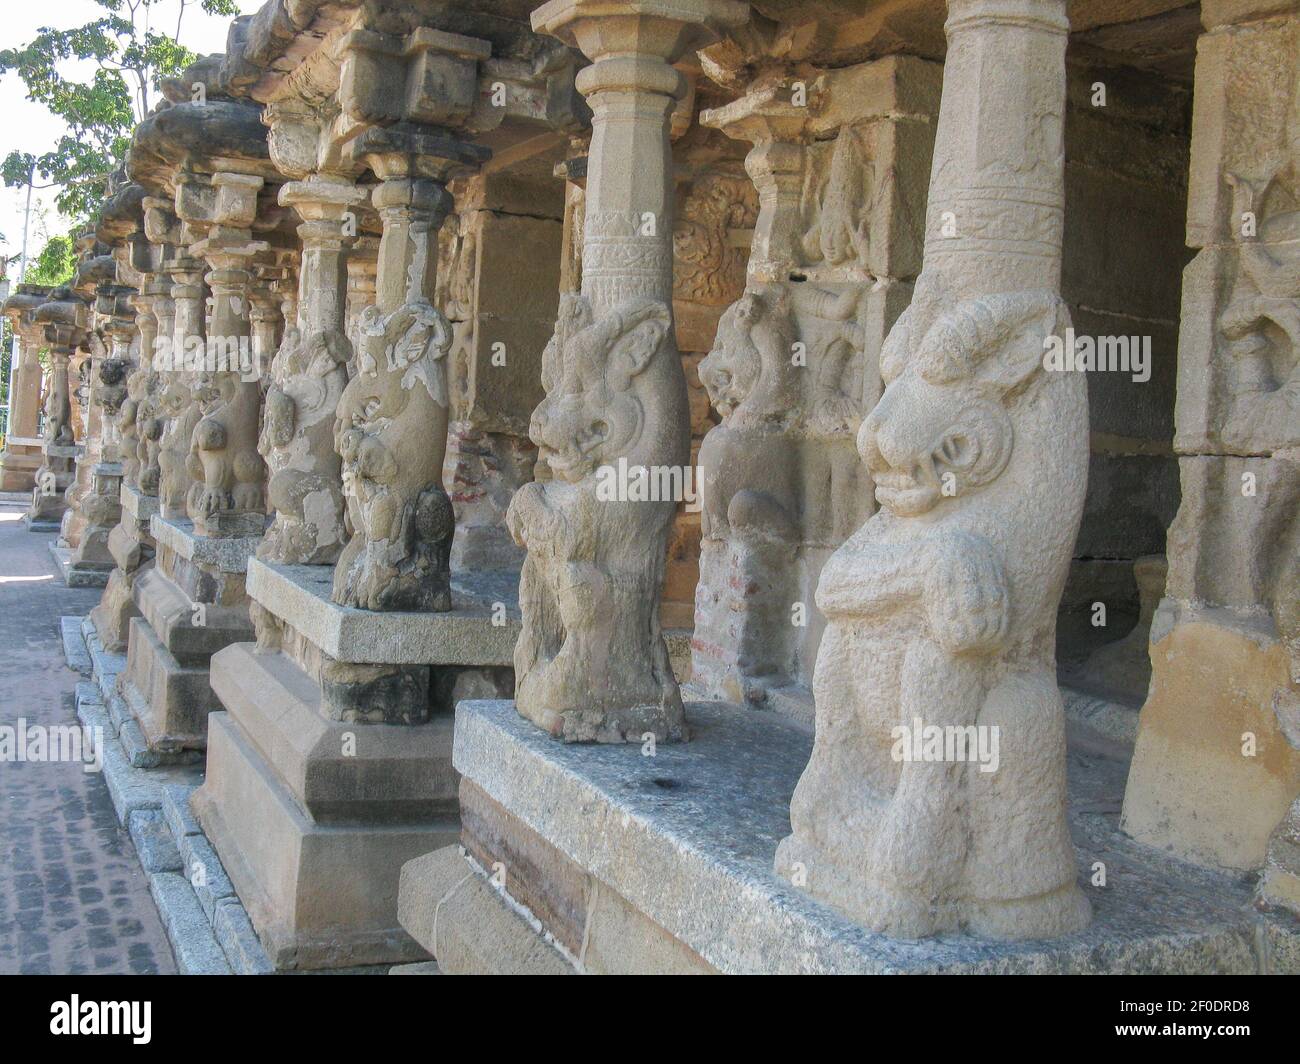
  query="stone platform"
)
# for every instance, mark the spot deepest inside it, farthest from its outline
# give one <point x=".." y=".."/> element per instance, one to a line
<point x="317" y="789"/>
<point x="617" y="862"/>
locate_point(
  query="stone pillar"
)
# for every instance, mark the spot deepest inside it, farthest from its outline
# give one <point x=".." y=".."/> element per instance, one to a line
<point x="591" y="663"/>
<point x="140" y="428"/>
<point x="307" y="379"/>
<point x="392" y="418"/>
<point x="231" y="498"/>
<point x="21" y="457"/>
<point x="941" y="609"/>
<point x="1216" y="767"/>
<point x="181" y="409"/>
<point x="99" y="507"/>
<point x="841" y="179"/>
<point x="61" y="319"/>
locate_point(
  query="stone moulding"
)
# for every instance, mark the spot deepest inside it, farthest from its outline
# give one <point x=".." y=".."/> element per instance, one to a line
<point x="299" y="595"/>
<point x="229" y="554"/>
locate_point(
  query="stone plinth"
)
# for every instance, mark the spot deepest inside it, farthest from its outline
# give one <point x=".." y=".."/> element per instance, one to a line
<point x="191" y="604"/>
<point x="19" y="462"/>
<point x="466" y="635"/>
<point x="92" y="559"/>
<point x="131" y="545"/>
<point x="331" y="766"/>
<point x="664" y="863"/>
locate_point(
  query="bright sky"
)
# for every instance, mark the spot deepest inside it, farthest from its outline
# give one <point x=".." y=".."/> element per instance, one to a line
<point x="27" y="126"/>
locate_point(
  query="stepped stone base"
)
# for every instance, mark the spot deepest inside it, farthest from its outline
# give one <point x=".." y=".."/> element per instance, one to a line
<point x="628" y="863"/>
<point x="18" y="465"/>
<point x="331" y="766"/>
<point x="313" y="818"/>
<point x="191" y="603"/>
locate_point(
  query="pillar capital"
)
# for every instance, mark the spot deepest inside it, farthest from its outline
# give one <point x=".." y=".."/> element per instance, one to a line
<point x="629" y="29"/>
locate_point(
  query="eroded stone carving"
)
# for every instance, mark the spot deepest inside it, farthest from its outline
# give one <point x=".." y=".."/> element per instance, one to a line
<point x="401" y="517"/>
<point x="941" y="609"/>
<point x="591" y="661"/>
<point x="305" y="490"/>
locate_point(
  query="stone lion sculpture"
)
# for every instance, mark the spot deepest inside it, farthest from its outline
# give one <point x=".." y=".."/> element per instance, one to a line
<point x="591" y="663"/>
<point x="941" y="609"/>
<point x="399" y="557"/>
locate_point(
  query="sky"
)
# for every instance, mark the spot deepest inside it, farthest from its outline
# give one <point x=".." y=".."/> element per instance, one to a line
<point x="27" y="126"/>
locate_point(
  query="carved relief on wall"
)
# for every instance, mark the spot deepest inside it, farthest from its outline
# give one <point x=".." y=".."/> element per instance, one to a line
<point x="708" y="262"/>
<point x="1259" y="324"/>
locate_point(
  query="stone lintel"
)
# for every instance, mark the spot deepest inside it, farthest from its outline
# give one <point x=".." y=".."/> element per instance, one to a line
<point x="229" y="554"/>
<point x="299" y="595"/>
<point x="705" y="817"/>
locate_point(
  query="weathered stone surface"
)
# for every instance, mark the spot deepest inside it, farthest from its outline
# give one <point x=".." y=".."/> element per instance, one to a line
<point x="941" y="609"/>
<point x="465" y="635"/>
<point x="685" y="838"/>
<point x="1217" y="762"/>
<point x="449" y="907"/>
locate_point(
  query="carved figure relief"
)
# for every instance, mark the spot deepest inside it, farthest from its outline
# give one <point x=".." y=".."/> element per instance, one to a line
<point x="231" y="477"/>
<point x="297" y="440"/>
<point x="708" y="268"/>
<point x="1261" y="321"/>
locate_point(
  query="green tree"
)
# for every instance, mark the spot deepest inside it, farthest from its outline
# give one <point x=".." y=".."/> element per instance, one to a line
<point x="130" y="60"/>
<point x="55" y="264"/>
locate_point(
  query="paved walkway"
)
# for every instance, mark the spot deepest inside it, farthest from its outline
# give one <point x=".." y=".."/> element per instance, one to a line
<point x="73" y="898"/>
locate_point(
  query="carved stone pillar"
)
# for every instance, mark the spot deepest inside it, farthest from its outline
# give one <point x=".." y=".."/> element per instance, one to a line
<point x="60" y="317"/>
<point x="181" y="409"/>
<point x="140" y="428"/>
<point x="308" y="378"/>
<point x="591" y="663"/>
<point x="99" y="506"/>
<point x="21" y="457"/>
<point x="1216" y="767"/>
<point x="391" y="429"/>
<point x="941" y="609"/>
<point x="229" y="496"/>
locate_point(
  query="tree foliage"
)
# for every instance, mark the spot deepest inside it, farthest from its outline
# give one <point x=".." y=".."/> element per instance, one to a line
<point x="55" y="264"/>
<point x="130" y="56"/>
